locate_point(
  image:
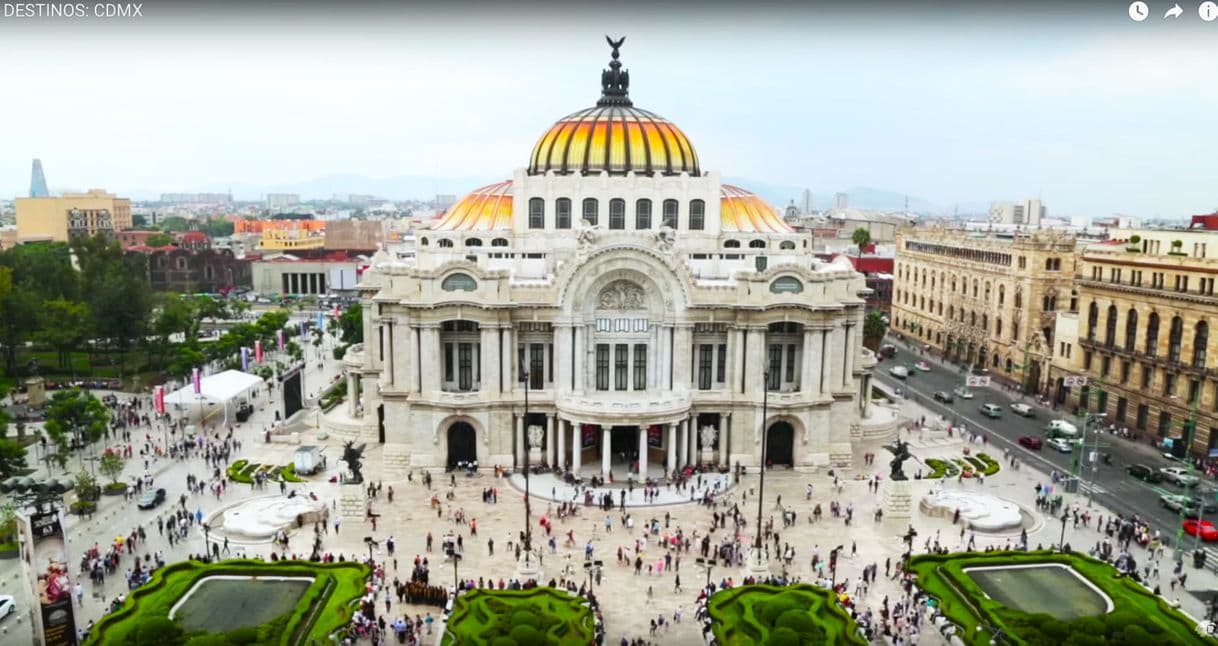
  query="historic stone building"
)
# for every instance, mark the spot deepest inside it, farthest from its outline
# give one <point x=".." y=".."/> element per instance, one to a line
<point x="617" y="307"/>
<point x="1145" y="303"/>
<point x="987" y="302"/>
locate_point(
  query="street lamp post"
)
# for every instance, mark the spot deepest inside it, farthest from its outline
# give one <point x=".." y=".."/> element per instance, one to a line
<point x="1061" y="542"/>
<point x="708" y="565"/>
<point x="206" y="541"/>
<point x="765" y="402"/>
<point x="456" y="580"/>
<point x="528" y="526"/>
<point x="593" y="568"/>
<point x="368" y="540"/>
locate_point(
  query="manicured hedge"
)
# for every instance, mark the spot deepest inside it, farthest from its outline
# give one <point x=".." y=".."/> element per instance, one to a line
<point x="243" y="471"/>
<point x="152" y="601"/>
<point x="798" y="615"/>
<point x="1139" y="616"/>
<point x="543" y="615"/>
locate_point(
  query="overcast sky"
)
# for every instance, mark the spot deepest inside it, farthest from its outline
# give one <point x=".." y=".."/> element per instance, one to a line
<point x="1080" y="105"/>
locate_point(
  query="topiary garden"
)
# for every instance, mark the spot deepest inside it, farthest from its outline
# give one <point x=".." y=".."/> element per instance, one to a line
<point x="771" y="615"/>
<point x="533" y="617"/>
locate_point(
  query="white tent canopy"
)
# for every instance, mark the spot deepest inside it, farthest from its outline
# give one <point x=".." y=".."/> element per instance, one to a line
<point x="220" y="388"/>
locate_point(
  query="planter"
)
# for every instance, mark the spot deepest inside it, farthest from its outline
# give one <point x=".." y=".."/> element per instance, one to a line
<point x="114" y="489"/>
<point x="82" y="507"/>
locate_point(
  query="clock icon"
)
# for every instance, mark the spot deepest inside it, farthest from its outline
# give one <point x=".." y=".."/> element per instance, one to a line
<point x="1138" y="11"/>
<point x="1208" y="11"/>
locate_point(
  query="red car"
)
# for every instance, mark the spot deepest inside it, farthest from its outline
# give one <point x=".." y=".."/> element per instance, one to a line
<point x="1204" y="528"/>
<point x="1031" y="442"/>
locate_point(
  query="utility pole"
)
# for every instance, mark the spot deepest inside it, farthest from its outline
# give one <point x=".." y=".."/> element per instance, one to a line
<point x="1190" y="430"/>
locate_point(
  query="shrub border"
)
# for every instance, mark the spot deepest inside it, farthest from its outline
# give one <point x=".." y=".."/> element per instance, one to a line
<point x="830" y="612"/>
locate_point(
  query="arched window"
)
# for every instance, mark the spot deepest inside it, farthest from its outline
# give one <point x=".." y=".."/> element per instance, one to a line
<point x="1174" y="339"/>
<point x="1152" y="334"/>
<point x="997" y="326"/>
<point x="163" y="262"/>
<point x="1110" y="326"/>
<point x="537" y="213"/>
<point x="697" y="216"/>
<point x="591" y="210"/>
<point x="786" y="244"/>
<point x="181" y="263"/>
<point x="617" y="213"/>
<point x="670" y="214"/>
<point x="445" y="243"/>
<point x="731" y="244"/>
<point x="786" y="285"/>
<point x="1008" y="364"/>
<point x="975" y="284"/>
<point x="995" y="360"/>
<point x="1131" y="329"/>
<point x="562" y="213"/>
<point x="424" y="242"/>
<point x="473" y="242"/>
<point x="756" y="244"/>
<point x="462" y="282"/>
<point x="1093" y="320"/>
<point x="1201" y="337"/>
<point x="642" y="215"/>
<point x="499" y="242"/>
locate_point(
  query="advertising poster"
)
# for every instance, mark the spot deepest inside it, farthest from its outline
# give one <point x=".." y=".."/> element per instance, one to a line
<point x="655" y="436"/>
<point x="158" y="398"/>
<point x="589" y="435"/>
<point x="48" y="571"/>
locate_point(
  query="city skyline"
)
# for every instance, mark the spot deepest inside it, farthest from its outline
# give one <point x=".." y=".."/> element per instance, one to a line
<point x="1080" y="106"/>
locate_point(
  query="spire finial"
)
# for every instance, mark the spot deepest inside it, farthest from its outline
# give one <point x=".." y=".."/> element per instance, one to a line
<point x="615" y="82"/>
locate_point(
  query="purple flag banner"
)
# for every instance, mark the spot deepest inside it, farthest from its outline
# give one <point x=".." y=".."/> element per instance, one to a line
<point x="197" y="378"/>
<point x="279" y="336"/>
<point x="245" y="359"/>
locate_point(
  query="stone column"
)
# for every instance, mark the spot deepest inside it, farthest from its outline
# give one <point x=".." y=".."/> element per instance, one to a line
<point x="521" y="447"/>
<point x="733" y="360"/>
<point x="725" y="444"/>
<point x="691" y="439"/>
<point x="412" y="359"/>
<point x="642" y="453"/>
<point x="577" y="447"/>
<point x="579" y="351"/>
<point x="683" y="362"/>
<point x="430" y="353"/>
<point x="848" y="350"/>
<point x="679" y="429"/>
<point x="653" y="354"/>
<point x="807" y="370"/>
<point x="562" y="358"/>
<point x="489" y="353"/>
<point x="352" y="393"/>
<point x="665" y="354"/>
<point x="605" y="452"/>
<point x="833" y="357"/>
<point x="561" y="461"/>
<point x="550" y="441"/>
<point x="672" y="447"/>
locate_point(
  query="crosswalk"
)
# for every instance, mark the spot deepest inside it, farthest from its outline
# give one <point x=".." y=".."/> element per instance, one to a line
<point x="1092" y="488"/>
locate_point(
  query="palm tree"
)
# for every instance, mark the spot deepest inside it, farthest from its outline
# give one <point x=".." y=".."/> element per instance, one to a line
<point x="861" y="237"/>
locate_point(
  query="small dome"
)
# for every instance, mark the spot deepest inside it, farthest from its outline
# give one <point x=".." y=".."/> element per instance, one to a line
<point x="484" y="209"/>
<point x="742" y="211"/>
<point x="617" y="139"/>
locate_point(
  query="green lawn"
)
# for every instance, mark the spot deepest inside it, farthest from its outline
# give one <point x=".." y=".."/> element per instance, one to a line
<point x="1138" y="617"/>
<point x="794" y="615"/>
<point x="323" y="608"/>
<point x="509" y="617"/>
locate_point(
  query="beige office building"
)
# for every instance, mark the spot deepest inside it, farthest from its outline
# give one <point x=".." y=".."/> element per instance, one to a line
<point x="986" y="302"/>
<point x="1145" y="303"/>
<point x="72" y="214"/>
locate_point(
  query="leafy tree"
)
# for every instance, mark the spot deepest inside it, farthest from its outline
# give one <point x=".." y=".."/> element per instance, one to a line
<point x="217" y="228"/>
<point x="874" y="328"/>
<point x="86" y="486"/>
<point x="211" y="308"/>
<point x="174" y="224"/>
<point x="351" y="322"/>
<point x="76" y="413"/>
<point x="159" y="240"/>
<point x="116" y="291"/>
<point x="861" y="237"/>
<point x="12" y="457"/>
<point x="65" y="327"/>
<point x="186" y="356"/>
<point x="111" y="464"/>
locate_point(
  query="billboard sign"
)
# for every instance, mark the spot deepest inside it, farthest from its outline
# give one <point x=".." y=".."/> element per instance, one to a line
<point x="48" y="571"/>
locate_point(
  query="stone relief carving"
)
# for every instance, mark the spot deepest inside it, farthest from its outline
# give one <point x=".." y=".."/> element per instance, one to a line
<point x="535" y="435"/>
<point x="708" y="434"/>
<point x="665" y="238"/>
<point x="621" y="295"/>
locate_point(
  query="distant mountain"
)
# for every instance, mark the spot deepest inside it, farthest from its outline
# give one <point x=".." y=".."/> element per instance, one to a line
<point x="859" y="197"/>
<point x="401" y="187"/>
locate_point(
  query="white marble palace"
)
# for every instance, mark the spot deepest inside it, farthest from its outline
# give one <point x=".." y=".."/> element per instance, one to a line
<point x="619" y="302"/>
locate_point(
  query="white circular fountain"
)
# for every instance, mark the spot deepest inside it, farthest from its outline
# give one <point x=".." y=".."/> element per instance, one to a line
<point x="981" y="511"/>
<point x="259" y="519"/>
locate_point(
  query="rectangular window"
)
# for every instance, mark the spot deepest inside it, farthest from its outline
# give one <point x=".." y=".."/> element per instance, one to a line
<point x="775" y="365"/>
<point x="670" y="214"/>
<point x="1125" y="372"/>
<point x="602" y="366"/>
<point x="1087" y="360"/>
<point x="617" y="214"/>
<point x="562" y="213"/>
<point x="1143" y="416"/>
<point x="537" y="213"/>
<point x="1169" y="385"/>
<point x="1164" y="423"/>
<point x="465" y="367"/>
<point x="1147" y="373"/>
<point x="1122" y="408"/>
<point x="448" y="362"/>
<point x="621" y="363"/>
<point x="704" y="366"/>
<point x="640" y="366"/>
<point x="721" y="368"/>
<point x="789" y="375"/>
<point x="1101" y="402"/>
<point x="537" y="365"/>
<point x="642" y="215"/>
<point x="1194" y="391"/>
<point x="603" y="325"/>
<point x="1105" y="366"/>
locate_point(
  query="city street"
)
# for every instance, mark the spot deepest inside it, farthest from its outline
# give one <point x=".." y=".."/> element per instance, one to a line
<point x="1110" y="485"/>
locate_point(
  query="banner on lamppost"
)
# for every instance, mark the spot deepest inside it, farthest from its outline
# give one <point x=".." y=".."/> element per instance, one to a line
<point x="977" y="381"/>
<point x="279" y="338"/>
<point x="48" y="573"/>
<point x="197" y="379"/>
<point x="258" y="351"/>
<point x="321" y="321"/>
<point x="302" y="329"/>
<point x="158" y="399"/>
<point x="245" y="359"/>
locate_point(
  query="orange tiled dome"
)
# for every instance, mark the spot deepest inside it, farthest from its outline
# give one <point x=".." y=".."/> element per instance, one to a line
<point x="617" y="139"/>
<point x="484" y="209"/>
<point x="742" y="211"/>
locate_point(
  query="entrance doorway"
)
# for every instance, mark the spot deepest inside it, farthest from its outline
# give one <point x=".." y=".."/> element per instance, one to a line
<point x="462" y="444"/>
<point x="780" y="445"/>
<point x="380" y="423"/>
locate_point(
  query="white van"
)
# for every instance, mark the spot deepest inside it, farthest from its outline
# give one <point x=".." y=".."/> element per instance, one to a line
<point x="1061" y="428"/>
<point x="900" y="372"/>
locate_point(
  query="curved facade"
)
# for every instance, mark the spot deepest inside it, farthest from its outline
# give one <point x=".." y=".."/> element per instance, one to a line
<point x="608" y="322"/>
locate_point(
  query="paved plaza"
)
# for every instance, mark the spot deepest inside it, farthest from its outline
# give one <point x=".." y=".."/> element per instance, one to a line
<point x="629" y="600"/>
